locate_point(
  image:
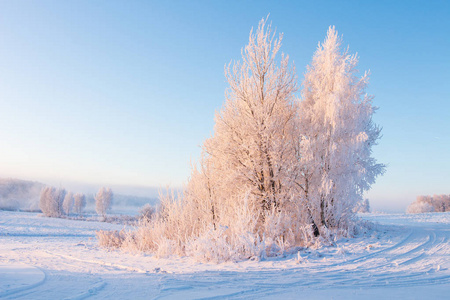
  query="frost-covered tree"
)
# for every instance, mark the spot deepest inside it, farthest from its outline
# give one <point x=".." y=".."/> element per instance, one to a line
<point x="362" y="207"/>
<point x="51" y="201"/>
<point x="251" y="149"/>
<point x="201" y="193"/>
<point x="419" y="207"/>
<point x="276" y="172"/>
<point x="79" y="203"/>
<point x="337" y="135"/>
<point x="424" y="204"/>
<point x="68" y="203"/>
<point x="44" y="201"/>
<point x="103" y="200"/>
<point x="441" y="203"/>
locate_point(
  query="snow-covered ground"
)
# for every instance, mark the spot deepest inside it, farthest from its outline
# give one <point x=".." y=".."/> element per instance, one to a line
<point x="403" y="257"/>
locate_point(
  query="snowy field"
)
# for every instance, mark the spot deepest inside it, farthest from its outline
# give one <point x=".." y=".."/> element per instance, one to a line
<point x="403" y="257"/>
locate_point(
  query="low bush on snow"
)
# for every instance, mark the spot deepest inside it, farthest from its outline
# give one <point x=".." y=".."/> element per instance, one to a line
<point x="110" y="239"/>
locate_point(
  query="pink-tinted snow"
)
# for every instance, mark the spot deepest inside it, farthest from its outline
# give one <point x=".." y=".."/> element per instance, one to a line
<point x="403" y="256"/>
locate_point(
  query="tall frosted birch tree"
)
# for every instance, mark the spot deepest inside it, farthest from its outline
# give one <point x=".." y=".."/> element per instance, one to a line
<point x="337" y="135"/>
<point x="251" y="147"/>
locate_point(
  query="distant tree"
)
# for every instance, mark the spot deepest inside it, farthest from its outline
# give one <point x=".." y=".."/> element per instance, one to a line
<point x="103" y="200"/>
<point x="44" y="201"/>
<point x="51" y="201"/>
<point x="424" y="204"/>
<point x="337" y="135"/>
<point x="441" y="203"/>
<point x="68" y="203"/>
<point x="419" y="207"/>
<point x="19" y="194"/>
<point x="79" y="203"/>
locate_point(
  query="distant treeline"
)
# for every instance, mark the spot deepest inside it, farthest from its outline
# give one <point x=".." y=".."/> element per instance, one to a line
<point x="19" y="194"/>
<point x="424" y="204"/>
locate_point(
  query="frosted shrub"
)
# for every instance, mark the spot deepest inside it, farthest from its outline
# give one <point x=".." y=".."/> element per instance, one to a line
<point x="212" y="245"/>
<point x="306" y="235"/>
<point x="140" y="240"/>
<point x="146" y="212"/>
<point x="166" y="232"/>
<point x="166" y="247"/>
<point x="246" y="232"/>
<point x="278" y="233"/>
<point x="110" y="239"/>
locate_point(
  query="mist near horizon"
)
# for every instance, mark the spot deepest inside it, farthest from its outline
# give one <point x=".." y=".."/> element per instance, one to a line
<point x="17" y="194"/>
<point x="378" y="203"/>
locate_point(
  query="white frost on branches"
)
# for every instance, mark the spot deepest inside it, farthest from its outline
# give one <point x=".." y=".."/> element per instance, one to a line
<point x="362" y="206"/>
<point x="278" y="172"/>
<point x="103" y="200"/>
<point x="424" y="204"/>
<point x="51" y="201"/>
<point x="337" y="134"/>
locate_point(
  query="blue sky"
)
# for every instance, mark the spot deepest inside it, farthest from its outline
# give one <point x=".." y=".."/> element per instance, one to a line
<point x="124" y="92"/>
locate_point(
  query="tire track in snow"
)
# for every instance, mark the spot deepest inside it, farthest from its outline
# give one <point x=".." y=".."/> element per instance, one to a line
<point x="410" y="262"/>
<point x="99" y="262"/>
<point x="14" y="293"/>
<point x="417" y="256"/>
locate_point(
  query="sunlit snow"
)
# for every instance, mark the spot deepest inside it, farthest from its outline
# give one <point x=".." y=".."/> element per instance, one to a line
<point x="400" y="256"/>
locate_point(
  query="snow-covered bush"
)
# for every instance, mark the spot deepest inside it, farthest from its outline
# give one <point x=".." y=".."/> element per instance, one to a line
<point x="277" y="173"/>
<point x="424" y="204"/>
<point x="110" y="239"/>
<point x="51" y="201"/>
<point x="103" y="201"/>
<point x="212" y="245"/>
<point x="146" y="212"/>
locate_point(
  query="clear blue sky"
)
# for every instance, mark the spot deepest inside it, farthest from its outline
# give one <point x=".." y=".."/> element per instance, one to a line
<point x="124" y="92"/>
